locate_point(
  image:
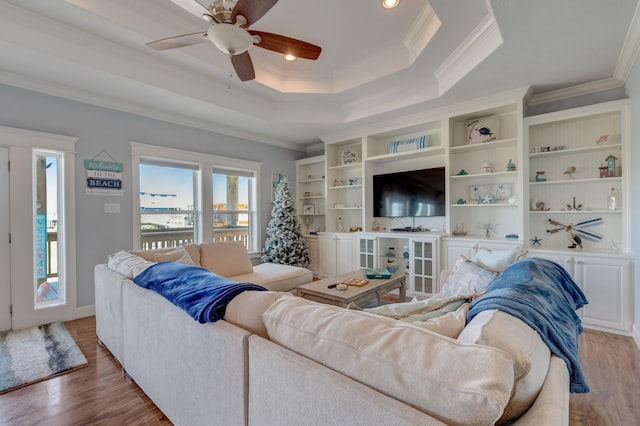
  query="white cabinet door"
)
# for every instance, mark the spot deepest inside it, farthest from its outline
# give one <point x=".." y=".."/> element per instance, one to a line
<point x="565" y="260"/>
<point x="326" y="255"/>
<point x="423" y="270"/>
<point x="367" y="252"/>
<point x="345" y="254"/>
<point x="606" y="282"/>
<point x="455" y="249"/>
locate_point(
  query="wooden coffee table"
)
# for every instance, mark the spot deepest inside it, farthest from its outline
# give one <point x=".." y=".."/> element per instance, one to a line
<point x="318" y="290"/>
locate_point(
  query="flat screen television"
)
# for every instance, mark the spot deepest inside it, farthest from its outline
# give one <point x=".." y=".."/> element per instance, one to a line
<point x="414" y="193"/>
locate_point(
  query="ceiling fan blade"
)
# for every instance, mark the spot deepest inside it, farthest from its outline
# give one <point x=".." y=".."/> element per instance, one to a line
<point x="178" y="41"/>
<point x="287" y="45"/>
<point x="192" y="6"/>
<point x="252" y="9"/>
<point x="243" y="66"/>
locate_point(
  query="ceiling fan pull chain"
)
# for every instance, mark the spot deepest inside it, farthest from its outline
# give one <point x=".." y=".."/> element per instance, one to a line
<point x="230" y="77"/>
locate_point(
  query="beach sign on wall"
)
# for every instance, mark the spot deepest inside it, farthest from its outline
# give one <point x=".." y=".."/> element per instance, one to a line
<point x="104" y="177"/>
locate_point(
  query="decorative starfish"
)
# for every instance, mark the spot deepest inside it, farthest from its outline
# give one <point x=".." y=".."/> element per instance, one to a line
<point x="486" y="199"/>
<point x="535" y="241"/>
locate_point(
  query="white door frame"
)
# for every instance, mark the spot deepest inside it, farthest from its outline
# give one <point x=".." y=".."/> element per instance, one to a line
<point x="21" y="144"/>
<point x="5" y="260"/>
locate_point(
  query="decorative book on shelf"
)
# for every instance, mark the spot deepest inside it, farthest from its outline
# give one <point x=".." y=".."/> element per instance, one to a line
<point x="409" y="145"/>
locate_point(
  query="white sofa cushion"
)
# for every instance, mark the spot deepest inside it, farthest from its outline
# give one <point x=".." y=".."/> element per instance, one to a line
<point x="276" y="277"/>
<point x="456" y="382"/>
<point x="227" y="259"/>
<point x="501" y="330"/>
<point x="246" y="309"/>
<point x="450" y="324"/>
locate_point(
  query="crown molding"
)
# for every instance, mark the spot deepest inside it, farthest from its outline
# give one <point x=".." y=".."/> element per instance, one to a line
<point x="626" y="61"/>
<point x="630" y="48"/>
<point x="478" y="45"/>
<point x="577" y="90"/>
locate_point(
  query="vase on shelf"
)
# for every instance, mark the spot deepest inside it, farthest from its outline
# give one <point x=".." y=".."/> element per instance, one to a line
<point x="612" y="200"/>
<point x="391" y="266"/>
<point x="540" y="176"/>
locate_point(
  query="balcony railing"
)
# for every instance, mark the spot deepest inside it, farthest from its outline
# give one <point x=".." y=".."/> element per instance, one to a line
<point x="154" y="239"/>
<point x="175" y="237"/>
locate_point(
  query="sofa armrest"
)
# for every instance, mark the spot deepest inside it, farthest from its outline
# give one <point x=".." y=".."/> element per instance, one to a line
<point x="551" y="407"/>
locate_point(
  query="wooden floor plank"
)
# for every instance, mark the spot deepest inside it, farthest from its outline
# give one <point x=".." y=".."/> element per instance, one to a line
<point x="101" y="394"/>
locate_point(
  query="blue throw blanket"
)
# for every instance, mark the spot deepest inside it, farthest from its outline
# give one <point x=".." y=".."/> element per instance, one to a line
<point x="542" y="294"/>
<point x="198" y="291"/>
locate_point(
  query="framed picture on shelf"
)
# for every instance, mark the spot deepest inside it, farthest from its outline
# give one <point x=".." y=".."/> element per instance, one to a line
<point x="482" y="130"/>
<point x="276" y="178"/>
<point x="350" y="155"/>
<point x="308" y="209"/>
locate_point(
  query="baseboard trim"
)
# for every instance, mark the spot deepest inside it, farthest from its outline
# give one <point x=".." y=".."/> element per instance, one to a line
<point x="85" y="311"/>
<point x="636" y="335"/>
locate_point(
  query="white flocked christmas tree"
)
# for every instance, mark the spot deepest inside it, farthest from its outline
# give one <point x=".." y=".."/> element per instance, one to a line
<point x="284" y="244"/>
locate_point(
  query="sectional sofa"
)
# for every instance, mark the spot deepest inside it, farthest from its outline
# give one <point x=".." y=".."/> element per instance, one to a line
<point x="277" y="359"/>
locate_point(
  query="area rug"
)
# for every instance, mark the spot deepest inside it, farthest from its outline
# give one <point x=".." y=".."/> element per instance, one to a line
<point x="37" y="353"/>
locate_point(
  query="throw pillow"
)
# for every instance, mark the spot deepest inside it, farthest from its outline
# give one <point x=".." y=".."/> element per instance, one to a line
<point x="446" y="317"/>
<point x="450" y="324"/>
<point x="127" y="264"/>
<point x="178" y="255"/>
<point x="467" y="278"/>
<point x="496" y="260"/>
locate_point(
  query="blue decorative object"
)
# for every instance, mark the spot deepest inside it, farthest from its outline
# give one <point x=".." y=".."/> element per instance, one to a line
<point x="535" y="241"/>
<point x="461" y="201"/>
<point x="511" y="166"/>
<point x="611" y="165"/>
<point x="540" y="176"/>
<point x="511" y="236"/>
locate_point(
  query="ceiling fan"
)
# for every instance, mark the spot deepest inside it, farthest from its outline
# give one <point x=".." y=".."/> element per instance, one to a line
<point x="229" y="31"/>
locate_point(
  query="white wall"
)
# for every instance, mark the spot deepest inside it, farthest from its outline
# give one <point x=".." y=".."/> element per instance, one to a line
<point x="99" y="234"/>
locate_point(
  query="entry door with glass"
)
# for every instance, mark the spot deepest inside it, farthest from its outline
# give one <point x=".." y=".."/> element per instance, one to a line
<point x="41" y="212"/>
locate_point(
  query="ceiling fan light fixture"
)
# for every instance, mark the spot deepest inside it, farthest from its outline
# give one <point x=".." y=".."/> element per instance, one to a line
<point x="230" y="39"/>
<point x="390" y="4"/>
<point x="290" y="58"/>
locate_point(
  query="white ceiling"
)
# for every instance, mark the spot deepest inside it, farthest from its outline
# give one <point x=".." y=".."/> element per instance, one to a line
<point x="376" y="64"/>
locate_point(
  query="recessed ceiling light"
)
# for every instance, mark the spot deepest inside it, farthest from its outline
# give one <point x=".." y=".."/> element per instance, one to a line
<point x="290" y="58"/>
<point x="390" y="4"/>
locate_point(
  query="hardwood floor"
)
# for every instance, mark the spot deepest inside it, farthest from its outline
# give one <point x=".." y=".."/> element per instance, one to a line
<point x="101" y="394"/>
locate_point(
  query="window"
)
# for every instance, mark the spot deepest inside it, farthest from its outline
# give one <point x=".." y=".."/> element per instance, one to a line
<point x="167" y="201"/>
<point x="233" y="210"/>
<point x="185" y="197"/>
<point x="49" y="236"/>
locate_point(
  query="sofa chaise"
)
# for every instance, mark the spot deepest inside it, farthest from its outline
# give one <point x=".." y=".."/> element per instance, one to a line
<point x="277" y="359"/>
